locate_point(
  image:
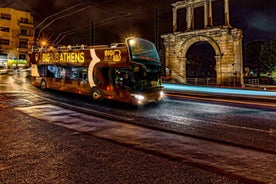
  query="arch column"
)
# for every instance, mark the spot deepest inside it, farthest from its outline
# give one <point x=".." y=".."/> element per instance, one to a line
<point x="205" y="14"/>
<point x="219" y="69"/>
<point x="189" y="17"/>
<point x="177" y="68"/>
<point x="226" y="13"/>
<point x="183" y="70"/>
<point x="167" y="55"/>
<point x="174" y="19"/>
<point x="210" y="13"/>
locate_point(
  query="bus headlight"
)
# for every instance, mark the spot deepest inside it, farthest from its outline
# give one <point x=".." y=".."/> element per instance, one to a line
<point x="161" y="94"/>
<point x="138" y="97"/>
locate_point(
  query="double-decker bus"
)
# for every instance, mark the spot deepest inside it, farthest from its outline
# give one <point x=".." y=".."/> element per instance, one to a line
<point x="128" y="72"/>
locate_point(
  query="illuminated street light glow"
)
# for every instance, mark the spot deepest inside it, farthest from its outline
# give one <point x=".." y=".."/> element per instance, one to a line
<point x="43" y="43"/>
<point x="132" y="42"/>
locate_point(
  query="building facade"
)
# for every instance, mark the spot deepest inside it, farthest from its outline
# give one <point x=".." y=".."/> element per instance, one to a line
<point x="16" y="34"/>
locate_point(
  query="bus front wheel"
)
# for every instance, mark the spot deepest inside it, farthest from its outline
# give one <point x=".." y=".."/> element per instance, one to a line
<point x="43" y="84"/>
<point x="96" y="94"/>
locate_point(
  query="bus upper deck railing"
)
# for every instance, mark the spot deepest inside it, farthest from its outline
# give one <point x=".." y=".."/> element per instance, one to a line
<point x="76" y="47"/>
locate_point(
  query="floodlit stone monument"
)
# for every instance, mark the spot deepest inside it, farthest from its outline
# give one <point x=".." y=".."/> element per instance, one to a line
<point x="225" y="40"/>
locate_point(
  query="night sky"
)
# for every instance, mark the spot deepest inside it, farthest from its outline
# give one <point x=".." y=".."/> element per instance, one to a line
<point x="116" y="19"/>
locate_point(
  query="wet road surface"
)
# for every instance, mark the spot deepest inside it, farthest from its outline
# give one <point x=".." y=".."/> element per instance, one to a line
<point x="35" y="151"/>
<point x="213" y="119"/>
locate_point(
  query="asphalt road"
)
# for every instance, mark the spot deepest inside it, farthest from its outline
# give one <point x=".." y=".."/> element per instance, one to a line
<point x="98" y="153"/>
<point x="34" y="151"/>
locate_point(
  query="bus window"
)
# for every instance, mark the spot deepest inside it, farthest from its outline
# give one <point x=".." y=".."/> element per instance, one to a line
<point x="48" y="71"/>
<point x="84" y="74"/>
<point x="80" y="73"/>
<point x="75" y="73"/>
<point x="51" y="71"/>
<point x="61" y="73"/>
<point x="71" y="73"/>
<point x="41" y="70"/>
<point x="123" y="78"/>
<point x="100" y="76"/>
<point x="118" y="78"/>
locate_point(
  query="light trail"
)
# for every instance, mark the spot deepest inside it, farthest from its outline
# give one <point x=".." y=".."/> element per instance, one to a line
<point x="218" y="90"/>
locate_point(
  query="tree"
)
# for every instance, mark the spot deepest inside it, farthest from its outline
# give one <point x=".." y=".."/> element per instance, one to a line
<point x="252" y="54"/>
<point x="268" y="56"/>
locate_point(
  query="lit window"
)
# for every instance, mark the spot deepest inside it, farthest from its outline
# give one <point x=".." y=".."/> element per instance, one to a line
<point x="23" y="44"/>
<point x="5" y="29"/>
<point x="24" y="20"/>
<point x="23" y="31"/>
<point x="5" y="16"/>
<point x="4" y="42"/>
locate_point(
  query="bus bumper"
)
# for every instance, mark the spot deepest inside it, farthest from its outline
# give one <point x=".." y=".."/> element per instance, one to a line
<point x="144" y="98"/>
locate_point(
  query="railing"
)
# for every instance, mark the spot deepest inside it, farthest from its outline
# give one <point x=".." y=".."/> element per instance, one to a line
<point x="202" y="81"/>
<point x="36" y="48"/>
<point x="252" y="82"/>
<point x="29" y="24"/>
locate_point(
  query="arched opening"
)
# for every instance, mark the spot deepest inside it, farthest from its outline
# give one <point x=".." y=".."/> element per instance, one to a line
<point x="201" y="64"/>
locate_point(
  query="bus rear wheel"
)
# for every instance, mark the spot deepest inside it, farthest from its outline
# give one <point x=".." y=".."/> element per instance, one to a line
<point x="96" y="94"/>
<point x="43" y="84"/>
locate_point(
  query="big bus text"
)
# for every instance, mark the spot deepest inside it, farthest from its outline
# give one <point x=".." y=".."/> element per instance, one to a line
<point x="129" y="72"/>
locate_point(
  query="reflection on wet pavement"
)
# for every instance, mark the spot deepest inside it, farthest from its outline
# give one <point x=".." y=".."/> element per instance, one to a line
<point x="228" y="159"/>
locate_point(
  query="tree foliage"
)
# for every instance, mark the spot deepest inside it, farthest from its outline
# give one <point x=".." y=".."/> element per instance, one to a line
<point x="268" y="54"/>
<point x="252" y="54"/>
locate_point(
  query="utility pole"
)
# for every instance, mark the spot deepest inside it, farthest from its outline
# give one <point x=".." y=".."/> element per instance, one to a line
<point x="92" y="33"/>
<point x="157" y="40"/>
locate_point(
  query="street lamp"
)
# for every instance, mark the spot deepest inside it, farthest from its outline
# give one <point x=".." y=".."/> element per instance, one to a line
<point x="43" y="43"/>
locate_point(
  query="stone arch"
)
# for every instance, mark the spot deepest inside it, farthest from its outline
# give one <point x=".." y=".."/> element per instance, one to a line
<point x="225" y="40"/>
<point x="189" y="42"/>
<point x="184" y="47"/>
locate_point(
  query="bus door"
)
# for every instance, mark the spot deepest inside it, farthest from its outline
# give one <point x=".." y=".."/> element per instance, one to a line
<point x="123" y="82"/>
<point x="101" y="77"/>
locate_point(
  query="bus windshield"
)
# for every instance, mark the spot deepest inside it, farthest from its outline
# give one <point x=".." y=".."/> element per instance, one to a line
<point x="135" y="80"/>
<point x="143" y="51"/>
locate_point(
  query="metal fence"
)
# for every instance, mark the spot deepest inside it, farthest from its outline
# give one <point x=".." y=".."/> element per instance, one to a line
<point x="201" y="81"/>
<point x="252" y="82"/>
